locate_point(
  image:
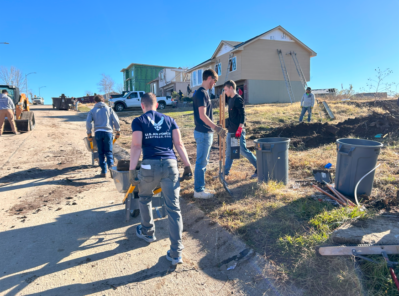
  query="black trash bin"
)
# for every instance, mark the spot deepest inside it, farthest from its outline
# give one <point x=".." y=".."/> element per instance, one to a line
<point x="356" y="157"/>
<point x="272" y="159"/>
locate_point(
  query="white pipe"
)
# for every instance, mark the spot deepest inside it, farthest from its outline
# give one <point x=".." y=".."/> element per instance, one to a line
<point x="357" y="202"/>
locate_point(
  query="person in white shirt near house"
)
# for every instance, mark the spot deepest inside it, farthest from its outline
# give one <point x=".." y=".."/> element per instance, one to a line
<point x="307" y="104"/>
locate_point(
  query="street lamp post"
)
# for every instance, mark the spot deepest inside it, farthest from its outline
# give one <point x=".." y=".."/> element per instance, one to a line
<point x="26" y="82"/>
<point x="39" y="90"/>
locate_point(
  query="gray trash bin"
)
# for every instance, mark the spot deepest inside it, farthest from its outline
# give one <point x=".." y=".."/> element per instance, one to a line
<point x="356" y="157"/>
<point x="272" y="159"/>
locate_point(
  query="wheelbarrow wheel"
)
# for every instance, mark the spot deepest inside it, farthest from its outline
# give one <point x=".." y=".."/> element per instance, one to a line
<point x="135" y="213"/>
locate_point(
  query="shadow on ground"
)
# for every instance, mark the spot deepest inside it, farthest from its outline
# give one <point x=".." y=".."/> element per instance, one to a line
<point x="46" y="247"/>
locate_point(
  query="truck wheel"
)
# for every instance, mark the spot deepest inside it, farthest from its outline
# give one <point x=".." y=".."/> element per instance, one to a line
<point x="161" y="105"/>
<point x="119" y="107"/>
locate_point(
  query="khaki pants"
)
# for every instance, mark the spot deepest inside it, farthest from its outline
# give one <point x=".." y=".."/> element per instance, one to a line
<point x="10" y="115"/>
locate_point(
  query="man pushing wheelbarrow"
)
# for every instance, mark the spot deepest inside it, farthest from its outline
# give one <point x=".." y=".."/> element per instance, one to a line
<point x="155" y="134"/>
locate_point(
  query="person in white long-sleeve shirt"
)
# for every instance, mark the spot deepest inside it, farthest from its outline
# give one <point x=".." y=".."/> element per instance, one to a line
<point x="307" y="104"/>
<point x="7" y="108"/>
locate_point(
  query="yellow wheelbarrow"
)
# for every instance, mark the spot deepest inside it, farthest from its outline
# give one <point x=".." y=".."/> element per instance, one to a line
<point x="131" y="197"/>
<point x="91" y="146"/>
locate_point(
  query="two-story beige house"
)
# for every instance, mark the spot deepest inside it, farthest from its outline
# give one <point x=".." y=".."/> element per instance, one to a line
<point x="255" y="67"/>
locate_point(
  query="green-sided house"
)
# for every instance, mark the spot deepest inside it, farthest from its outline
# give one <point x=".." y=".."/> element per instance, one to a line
<point x="137" y="76"/>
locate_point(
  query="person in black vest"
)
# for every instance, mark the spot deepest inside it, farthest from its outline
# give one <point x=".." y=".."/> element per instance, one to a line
<point x="156" y="134"/>
<point x="236" y="121"/>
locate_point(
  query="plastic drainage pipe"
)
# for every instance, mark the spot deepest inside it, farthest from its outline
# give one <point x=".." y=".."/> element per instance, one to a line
<point x="357" y="202"/>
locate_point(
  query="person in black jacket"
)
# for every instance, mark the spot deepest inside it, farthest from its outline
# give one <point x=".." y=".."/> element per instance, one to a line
<point x="235" y="128"/>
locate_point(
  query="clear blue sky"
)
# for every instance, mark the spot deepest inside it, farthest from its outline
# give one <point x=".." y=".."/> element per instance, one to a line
<point x="70" y="43"/>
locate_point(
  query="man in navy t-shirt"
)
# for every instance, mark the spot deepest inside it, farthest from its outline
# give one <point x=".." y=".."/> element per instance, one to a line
<point x="203" y="132"/>
<point x="156" y="134"/>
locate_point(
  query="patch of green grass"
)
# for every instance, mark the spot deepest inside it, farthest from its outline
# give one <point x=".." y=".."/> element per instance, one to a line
<point x="377" y="278"/>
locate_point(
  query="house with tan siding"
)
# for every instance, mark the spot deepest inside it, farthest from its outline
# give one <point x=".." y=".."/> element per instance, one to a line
<point x="255" y="67"/>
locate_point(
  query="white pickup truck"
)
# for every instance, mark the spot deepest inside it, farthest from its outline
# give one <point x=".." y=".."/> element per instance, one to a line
<point x="38" y="101"/>
<point x="132" y="99"/>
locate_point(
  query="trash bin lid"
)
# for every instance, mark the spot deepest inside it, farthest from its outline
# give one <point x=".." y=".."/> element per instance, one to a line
<point x="360" y="143"/>
<point x="272" y="140"/>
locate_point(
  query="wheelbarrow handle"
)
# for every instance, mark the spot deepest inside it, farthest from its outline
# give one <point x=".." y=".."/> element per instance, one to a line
<point x="130" y="190"/>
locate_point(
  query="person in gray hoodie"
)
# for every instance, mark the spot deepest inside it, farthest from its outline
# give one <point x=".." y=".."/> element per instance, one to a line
<point x="307" y="104"/>
<point x="7" y="108"/>
<point x="104" y="120"/>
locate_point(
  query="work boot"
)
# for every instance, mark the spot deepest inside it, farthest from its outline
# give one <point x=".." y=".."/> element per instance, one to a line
<point x="255" y="175"/>
<point x="16" y="133"/>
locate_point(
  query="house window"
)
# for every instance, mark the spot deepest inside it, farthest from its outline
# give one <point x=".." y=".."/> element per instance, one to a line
<point x="271" y="37"/>
<point x="194" y="78"/>
<point x="162" y="75"/>
<point x="218" y="69"/>
<point x="132" y="73"/>
<point x="283" y="37"/>
<point x="233" y="64"/>
<point x="199" y="76"/>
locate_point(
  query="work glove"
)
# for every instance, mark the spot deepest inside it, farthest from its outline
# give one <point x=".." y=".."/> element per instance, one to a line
<point x="134" y="180"/>
<point x="117" y="135"/>
<point x="221" y="131"/>
<point x="89" y="137"/>
<point x="238" y="132"/>
<point x="187" y="174"/>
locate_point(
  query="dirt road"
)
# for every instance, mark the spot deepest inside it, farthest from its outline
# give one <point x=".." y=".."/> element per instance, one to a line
<point x="62" y="231"/>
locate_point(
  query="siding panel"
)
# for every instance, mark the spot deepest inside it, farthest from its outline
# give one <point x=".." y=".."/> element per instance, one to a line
<point x="260" y="60"/>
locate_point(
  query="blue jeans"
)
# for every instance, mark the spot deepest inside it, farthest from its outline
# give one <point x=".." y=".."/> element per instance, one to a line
<point x="304" y="109"/>
<point x="104" y="144"/>
<point x="204" y="143"/>
<point x="243" y="151"/>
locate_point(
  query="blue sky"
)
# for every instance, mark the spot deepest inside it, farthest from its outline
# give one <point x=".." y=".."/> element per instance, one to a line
<point x="70" y="43"/>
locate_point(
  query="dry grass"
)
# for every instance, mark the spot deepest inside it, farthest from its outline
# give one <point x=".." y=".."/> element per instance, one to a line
<point x="272" y="115"/>
<point x="83" y="108"/>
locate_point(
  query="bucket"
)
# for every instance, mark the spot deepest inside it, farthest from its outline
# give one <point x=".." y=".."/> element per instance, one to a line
<point x="356" y="157"/>
<point x="272" y="159"/>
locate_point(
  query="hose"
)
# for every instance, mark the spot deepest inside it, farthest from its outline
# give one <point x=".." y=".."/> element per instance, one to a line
<point x="357" y="202"/>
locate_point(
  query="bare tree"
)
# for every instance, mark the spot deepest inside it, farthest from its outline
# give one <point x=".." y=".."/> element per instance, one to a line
<point x="88" y="93"/>
<point x="106" y="85"/>
<point x="119" y="88"/>
<point x="377" y="83"/>
<point x="12" y="76"/>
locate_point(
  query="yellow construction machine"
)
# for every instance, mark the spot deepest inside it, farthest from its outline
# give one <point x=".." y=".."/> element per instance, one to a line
<point x="24" y="119"/>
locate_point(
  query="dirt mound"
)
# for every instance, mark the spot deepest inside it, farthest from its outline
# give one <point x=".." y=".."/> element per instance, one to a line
<point x="390" y="106"/>
<point x="311" y="135"/>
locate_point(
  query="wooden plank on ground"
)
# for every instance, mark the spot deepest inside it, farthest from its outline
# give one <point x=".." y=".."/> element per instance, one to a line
<point x="361" y="250"/>
<point x="328" y="110"/>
